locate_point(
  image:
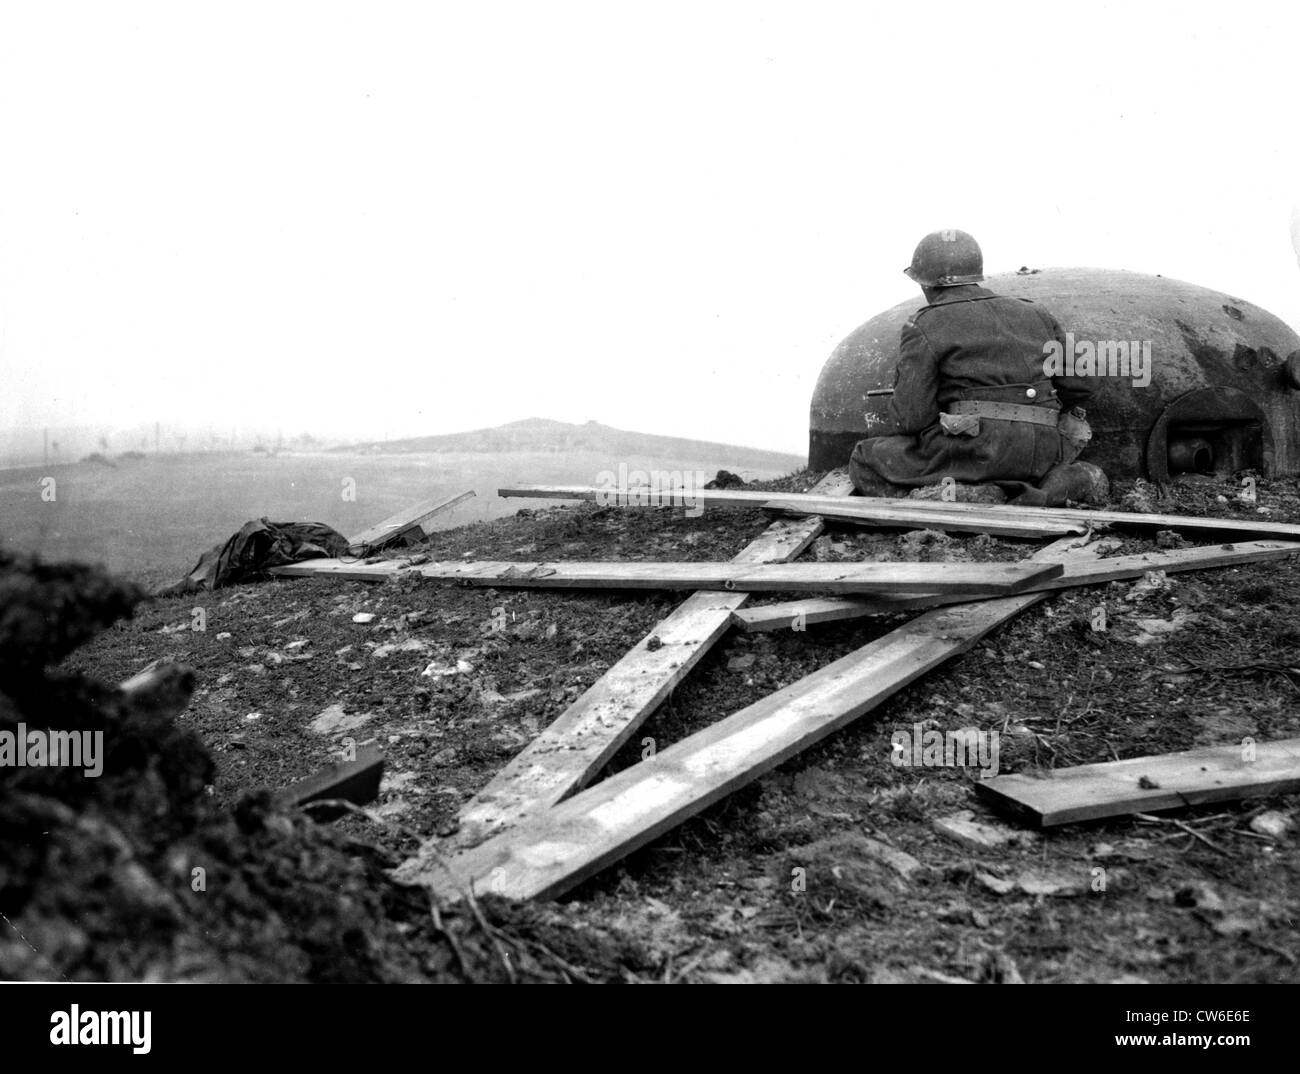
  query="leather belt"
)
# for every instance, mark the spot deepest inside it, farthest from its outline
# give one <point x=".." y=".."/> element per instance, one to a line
<point x="1035" y="415"/>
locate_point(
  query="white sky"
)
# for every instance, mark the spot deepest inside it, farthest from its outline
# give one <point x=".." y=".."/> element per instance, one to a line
<point x="417" y="218"/>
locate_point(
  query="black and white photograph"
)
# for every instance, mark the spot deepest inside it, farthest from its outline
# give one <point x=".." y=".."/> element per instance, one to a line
<point x="681" y="493"/>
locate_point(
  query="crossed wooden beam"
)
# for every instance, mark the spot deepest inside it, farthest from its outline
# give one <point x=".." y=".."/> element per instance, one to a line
<point x="537" y="828"/>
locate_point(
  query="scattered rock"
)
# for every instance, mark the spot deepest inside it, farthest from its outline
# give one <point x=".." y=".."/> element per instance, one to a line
<point x="397" y="781"/>
<point x="996" y="884"/>
<point x="1199" y="895"/>
<point x="1272" y="823"/>
<point x="1059" y="884"/>
<point x="900" y="861"/>
<point x="1152" y="631"/>
<point x="979" y="835"/>
<point x="1151" y="582"/>
<point x="439" y="670"/>
<point x="333" y="720"/>
<point x="410" y="645"/>
<point x="924" y="538"/>
<point x="848" y="867"/>
<point x="364" y="617"/>
<point x="741" y="663"/>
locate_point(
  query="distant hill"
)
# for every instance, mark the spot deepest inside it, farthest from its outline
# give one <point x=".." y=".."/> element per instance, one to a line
<point x="543" y="434"/>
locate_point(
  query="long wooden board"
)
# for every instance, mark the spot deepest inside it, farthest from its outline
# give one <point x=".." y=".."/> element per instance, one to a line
<point x="883" y="514"/>
<point x="781" y="615"/>
<point x="1149" y="784"/>
<point x="1239" y="528"/>
<point x="890" y="577"/>
<point x="550" y="853"/>
<point x="353" y="781"/>
<point x="565" y="756"/>
<point x="860" y="510"/>
<point x="404" y="522"/>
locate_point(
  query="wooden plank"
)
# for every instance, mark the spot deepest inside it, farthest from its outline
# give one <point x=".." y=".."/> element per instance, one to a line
<point x="403" y="523"/>
<point x="163" y="688"/>
<point x="891" y="577"/>
<point x="583" y="739"/>
<point x="1242" y="529"/>
<point x="353" y="781"/>
<point x="781" y="615"/>
<point x="883" y="514"/>
<point x="860" y="510"/>
<point x="550" y="853"/>
<point x="810" y="611"/>
<point x="1149" y="784"/>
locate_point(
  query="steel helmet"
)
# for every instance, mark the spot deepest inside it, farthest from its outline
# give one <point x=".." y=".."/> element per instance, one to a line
<point x="947" y="258"/>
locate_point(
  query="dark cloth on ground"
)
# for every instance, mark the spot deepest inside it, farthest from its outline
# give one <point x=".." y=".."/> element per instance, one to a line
<point x="255" y="549"/>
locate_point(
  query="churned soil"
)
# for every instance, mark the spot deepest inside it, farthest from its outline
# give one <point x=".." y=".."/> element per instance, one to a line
<point x="831" y="867"/>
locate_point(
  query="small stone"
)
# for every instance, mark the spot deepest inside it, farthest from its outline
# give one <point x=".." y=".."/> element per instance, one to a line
<point x="333" y="720"/>
<point x="1273" y="824"/>
<point x="899" y="860"/>
<point x="1200" y="896"/>
<point x="741" y="663"/>
<point x="995" y="884"/>
<point x="963" y="828"/>
<point x="1052" y="884"/>
<point x="364" y="617"/>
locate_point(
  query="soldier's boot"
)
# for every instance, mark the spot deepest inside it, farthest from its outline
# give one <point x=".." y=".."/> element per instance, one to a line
<point x="1082" y="482"/>
<point x="866" y="482"/>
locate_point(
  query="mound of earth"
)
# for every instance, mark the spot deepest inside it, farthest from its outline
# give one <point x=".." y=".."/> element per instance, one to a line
<point x="452" y="682"/>
<point x="136" y="871"/>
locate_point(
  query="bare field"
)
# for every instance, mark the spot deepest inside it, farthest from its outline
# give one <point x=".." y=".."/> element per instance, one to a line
<point x="150" y="519"/>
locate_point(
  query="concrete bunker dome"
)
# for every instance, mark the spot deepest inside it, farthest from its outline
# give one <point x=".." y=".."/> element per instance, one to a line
<point x="1224" y="391"/>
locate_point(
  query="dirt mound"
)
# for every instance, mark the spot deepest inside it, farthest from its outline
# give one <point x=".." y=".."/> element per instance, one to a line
<point x="122" y="866"/>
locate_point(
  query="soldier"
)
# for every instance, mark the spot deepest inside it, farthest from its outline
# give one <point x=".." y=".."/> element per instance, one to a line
<point x="971" y="400"/>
